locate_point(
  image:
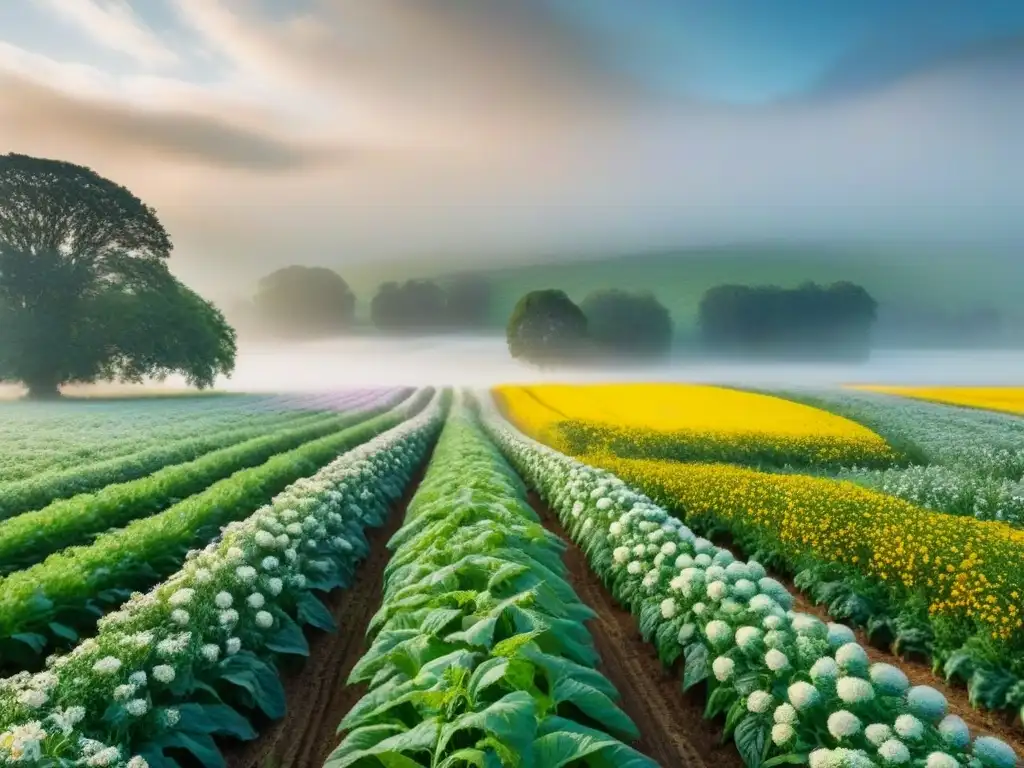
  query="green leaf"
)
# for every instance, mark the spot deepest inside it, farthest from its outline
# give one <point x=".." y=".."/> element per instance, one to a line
<point x="596" y="706"/>
<point x="438" y="619"/>
<point x="618" y="754"/>
<point x="511" y="719"/>
<point x="312" y="611"/>
<point x="289" y="638"/>
<point x="487" y="674"/>
<point x="201" y="745"/>
<point x="793" y="758"/>
<point x="696" y="665"/>
<point x="63" y="631"/>
<point x="751" y="738"/>
<point x="390" y="750"/>
<point x="217" y="719"/>
<point x="33" y="640"/>
<point x="259" y="679"/>
<point x="718" y="701"/>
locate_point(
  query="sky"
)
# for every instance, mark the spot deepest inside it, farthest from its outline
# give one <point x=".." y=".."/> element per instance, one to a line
<point x="347" y="132"/>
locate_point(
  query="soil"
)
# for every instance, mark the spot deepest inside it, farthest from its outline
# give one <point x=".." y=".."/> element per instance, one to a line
<point x="673" y="730"/>
<point x="317" y="694"/>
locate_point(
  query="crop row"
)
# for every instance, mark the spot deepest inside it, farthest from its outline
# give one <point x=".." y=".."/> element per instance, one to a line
<point x="938" y="585"/>
<point x="53" y="602"/>
<point x="30" y="537"/>
<point x="196" y="657"/>
<point x="792" y="689"/>
<point x="479" y="654"/>
<point x="692" y="423"/>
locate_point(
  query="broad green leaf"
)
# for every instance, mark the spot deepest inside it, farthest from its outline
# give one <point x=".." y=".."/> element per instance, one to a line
<point x="751" y="738"/>
<point x="695" y="668"/>
<point x="511" y="719"/>
<point x="312" y="611"/>
<point x="288" y="639"/>
<point x="215" y="719"/>
<point x="596" y="706"/>
<point x="487" y="674"/>
<point x="259" y="679"/>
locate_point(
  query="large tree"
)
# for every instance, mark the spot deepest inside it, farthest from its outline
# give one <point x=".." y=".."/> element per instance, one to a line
<point x="547" y="327"/>
<point x="305" y="301"/>
<point x="415" y="305"/>
<point x="628" y="324"/>
<point x="85" y="293"/>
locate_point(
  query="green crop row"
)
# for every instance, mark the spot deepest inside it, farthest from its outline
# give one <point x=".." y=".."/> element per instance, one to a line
<point x="52" y="603"/>
<point x="197" y="657"/>
<point x="480" y="655"/>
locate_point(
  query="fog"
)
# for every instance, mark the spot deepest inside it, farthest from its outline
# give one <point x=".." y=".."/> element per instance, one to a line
<point x="485" y="361"/>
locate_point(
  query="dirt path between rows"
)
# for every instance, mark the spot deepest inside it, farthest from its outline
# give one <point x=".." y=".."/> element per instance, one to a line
<point x="317" y="695"/>
<point x="673" y="730"/>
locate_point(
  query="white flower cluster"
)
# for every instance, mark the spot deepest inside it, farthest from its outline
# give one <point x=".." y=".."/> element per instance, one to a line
<point x="216" y="604"/>
<point x="665" y="573"/>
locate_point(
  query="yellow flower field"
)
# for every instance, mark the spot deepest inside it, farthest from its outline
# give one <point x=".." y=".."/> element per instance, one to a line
<point x="1005" y="399"/>
<point x="968" y="570"/>
<point x="690" y="422"/>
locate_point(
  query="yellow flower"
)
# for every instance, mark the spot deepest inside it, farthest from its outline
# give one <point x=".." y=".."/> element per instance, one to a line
<point x="1007" y="399"/>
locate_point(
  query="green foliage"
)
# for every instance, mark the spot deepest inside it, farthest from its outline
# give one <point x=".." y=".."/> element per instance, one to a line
<point x="479" y="653"/>
<point x="831" y="322"/>
<point x="85" y="292"/>
<point x="546" y="327"/>
<point x="628" y="325"/>
<point x="78" y="585"/>
<point x="468" y="302"/>
<point x="29" y="537"/>
<point x="305" y="302"/>
<point x="415" y="305"/>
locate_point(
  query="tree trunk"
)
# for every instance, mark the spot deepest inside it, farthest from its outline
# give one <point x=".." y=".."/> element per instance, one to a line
<point x="48" y="389"/>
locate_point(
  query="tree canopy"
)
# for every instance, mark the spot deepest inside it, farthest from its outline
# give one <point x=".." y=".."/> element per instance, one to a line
<point x="85" y="293"/>
<point x="307" y="302"/>
<point x="627" y="324"/>
<point x="811" y="319"/>
<point x="468" y="302"/>
<point x="415" y="305"/>
<point x="546" y="327"/>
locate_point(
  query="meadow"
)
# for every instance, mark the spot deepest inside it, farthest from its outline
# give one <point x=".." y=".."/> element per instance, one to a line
<point x="546" y="575"/>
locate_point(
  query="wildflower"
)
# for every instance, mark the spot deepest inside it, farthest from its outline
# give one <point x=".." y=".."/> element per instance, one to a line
<point x="180" y="616"/>
<point x="824" y="669"/>
<point x="668" y="608"/>
<point x="164" y="673"/>
<point x="171" y="717"/>
<point x="138" y="679"/>
<point x="909" y="727"/>
<point x="785" y="713"/>
<point x="107" y="665"/>
<point x="32" y="699"/>
<point x="246" y="573"/>
<point x="202" y="576"/>
<point x="105" y="757"/>
<point x="233" y="646"/>
<point x="718" y="590"/>
<point x="223" y="600"/>
<point x="227" y="618"/>
<point x="894" y="752"/>
<point x="839" y="635"/>
<point x="270" y="563"/>
<point x="759" y="701"/>
<point x="747" y="637"/>
<point x="941" y="760"/>
<point x="126" y="691"/>
<point x="776" y="660"/>
<point x="853" y="690"/>
<point x="718" y="632"/>
<point x="803" y="695"/>
<point x="181" y="598"/>
<point x="256" y="600"/>
<point x="274" y="586"/>
<point x="234" y="553"/>
<point x="138" y="762"/>
<point x="137" y="707"/>
<point x="878" y="733"/>
<point x="723" y="667"/>
<point x="264" y="620"/>
<point x="620" y="554"/>
<point x="210" y="652"/>
<point x="782" y="734"/>
<point x="852" y="658"/>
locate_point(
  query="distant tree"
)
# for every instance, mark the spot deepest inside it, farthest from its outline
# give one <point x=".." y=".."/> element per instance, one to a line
<point x="469" y="302"/>
<point x="415" y="305"/>
<point x="85" y="293"/>
<point x="305" y="302"/>
<point x="628" y="325"/>
<point x="829" y="322"/>
<point x="546" y="326"/>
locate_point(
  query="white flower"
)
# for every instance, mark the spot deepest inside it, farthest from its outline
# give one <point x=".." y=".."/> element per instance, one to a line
<point x="138" y="762"/>
<point x="954" y="731"/>
<point x="137" y="707"/>
<point x="994" y="753"/>
<point x="853" y="690"/>
<point x="805" y="624"/>
<point x="105" y="757"/>
<point x="824" y="669"/>
<point x="123" y="692"/>
<point x="802" y="695"/>
<point x="171" y="716"/>
<point x="761" y="604"/>
<point x="264" y="620"/>
<point x="668" y="549"/>
<point x="878" y="733"/>
<point x="888" y="679"/>
<point x="718" y="632"/>
<point x="138" y="679"/>
<point x="843" y="724"/>
<point x="233" y="646"/>
<point x="270" y="563"/>
<point x="602" y="504"/>
<point x="718" y="590"/>
<point x="180" y="616"/>
<point x="909" y="727"/>
<point x="107" y="665"/>
<point x="615" y="529"/>
<point x="927" y="703"/>
<point x="747" y="637"/>
<point x="620" y="554"/>
<point x="839" y="635"/>
<point x="44" y="681"/>
<point x="634" y="567"/>
<point x="140" y="639"/>
<point x="282" y="540"/>
<point x="744" y="589"/>
<point x="291" y="555"/>
<point x="234" y="553"/>
<point x="266" y="539"/>
<point x="246" y="573"/>
<point x="941" y="760"/>
<point x="723" y="667"/>
<point x="228" y="617"/>
<point x="776" y="660"/>
<point x="759" y="701"/>
<point x="274" y="586"/>
<point x="32" y="699"/>
<point x="223" y="600"/>
<point x="164" y="673"/>
<point x="785" y="713"/>
<point x="26" y="740"/>
<point x="256" y="600"/>
<point x="210" y="652"/>
<point x="668" y="608"/>
<point x="181" y="598"/>
<point x="894" y="752"/>
<point x="684" y="561"/>
<point x="202" y="576"/>
<point x="852" y="658"/>
<point x="782" y="734"/>
<point x="773" y="623"/>
<point x="293" y="529"/>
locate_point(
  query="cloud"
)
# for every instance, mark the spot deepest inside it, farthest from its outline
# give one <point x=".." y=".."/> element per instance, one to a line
<point x="113" y="24"/>
<point x="44" y="120"/>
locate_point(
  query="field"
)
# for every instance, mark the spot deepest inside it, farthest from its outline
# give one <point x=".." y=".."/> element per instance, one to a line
<point x="633" y="576"/>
